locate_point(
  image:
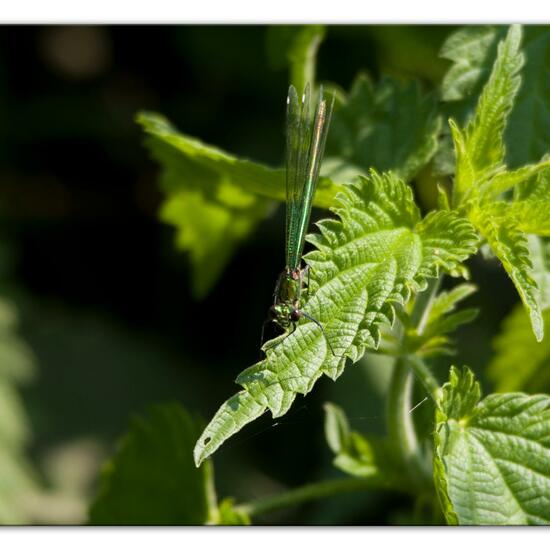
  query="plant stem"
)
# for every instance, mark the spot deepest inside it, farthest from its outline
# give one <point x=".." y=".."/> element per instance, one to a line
<point x="400" y="422"/>
<point x="424" y="376"/>
<point x="312" y="491"/>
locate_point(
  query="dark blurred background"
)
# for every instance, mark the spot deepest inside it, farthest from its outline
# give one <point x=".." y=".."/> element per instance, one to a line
<point x="102" y="294"/>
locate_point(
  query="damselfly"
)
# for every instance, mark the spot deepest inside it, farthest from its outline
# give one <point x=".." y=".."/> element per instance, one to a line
<point x="305" y="144"/>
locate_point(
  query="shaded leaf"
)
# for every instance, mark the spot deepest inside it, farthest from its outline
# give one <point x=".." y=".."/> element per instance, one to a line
<point x="152" y="480"/>
<point x="18" y="480"/>
<point x="520" y="362"/>
<point x="295" y="46"/>
<point x="389" y="126"/>
<point x="213" y="199"/>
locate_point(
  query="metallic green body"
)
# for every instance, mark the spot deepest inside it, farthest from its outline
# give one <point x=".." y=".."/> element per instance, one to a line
<point x="287" y="297"/>
<point x="305" y="142"/>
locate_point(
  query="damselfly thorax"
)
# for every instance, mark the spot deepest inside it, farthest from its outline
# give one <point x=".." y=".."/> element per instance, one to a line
<point x="287" y="297"/>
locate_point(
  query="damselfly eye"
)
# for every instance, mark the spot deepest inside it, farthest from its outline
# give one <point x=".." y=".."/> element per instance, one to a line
<point x="295" y="315"/>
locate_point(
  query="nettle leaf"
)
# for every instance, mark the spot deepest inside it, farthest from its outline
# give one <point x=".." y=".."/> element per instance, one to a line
<point x="528" y="132"/>
<point x="214" y="199"/>
<point x="472" y="50"/>
<point x="480" y="147"/>
<point x="390" y="126"/>
<point x="510" y="246"/>
<point x="531" y="216"/>
<point x="295" y="46"/>
<point x="442" y="319"/>
<point x="520" y="363"/>
<point x="365" y="263"/>
<point x="535" y="187"/>
<point x="492" y="457"/>
<point x="152" y="480"/>
<point x="481" y="177"/>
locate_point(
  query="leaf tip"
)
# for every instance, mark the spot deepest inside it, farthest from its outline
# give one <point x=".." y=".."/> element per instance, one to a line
<point x="200" y="452"/>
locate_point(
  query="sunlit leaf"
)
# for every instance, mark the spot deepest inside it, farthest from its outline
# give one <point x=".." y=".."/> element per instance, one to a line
<point x="472" y="50"/>
<point x="492" y="457"/>
<point x="365" y="263"/>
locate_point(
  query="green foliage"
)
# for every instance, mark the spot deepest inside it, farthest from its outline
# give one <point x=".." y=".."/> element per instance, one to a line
<point x="295" y="46"/>
<point x="492" y="456"/>
<point x="480" y="147"/>
<point x="152" y="480"/>
<point x="481" y="177"/>
<point x="472" y="51"/>
<point x="441" y="319"/>
<point x="390" y="126"/>
<point x="17" y="478"/>
<point x="213" y="199"/>
<point x="520" y="362"/>
<point x="510" y="246"/>
<point x="354" y="453"/>
<point x="365" y="263"/>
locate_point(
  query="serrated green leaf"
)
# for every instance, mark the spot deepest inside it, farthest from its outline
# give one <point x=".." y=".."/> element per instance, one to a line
<point x="459" y="396"/>
<point x="536" y="187"/>
<point x="492" y="458"/>
<point x="295" y="46"/>
<point x="152" y="480"/>
<point x="510" y="246"/>
<point x="485" y="131"/>
<point x="531" y="216"/>
<point x="364" y="263"/>
<point x="388" y="127"/>
<point x="472" y="50"/>
<point x="528" y="132"/>
<point x="480" y="147"/>
<point x="213" y="199"/>
<point x="520" y="363"/>
<point x="510" y="179"/>
<point x="481" y="177"/>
